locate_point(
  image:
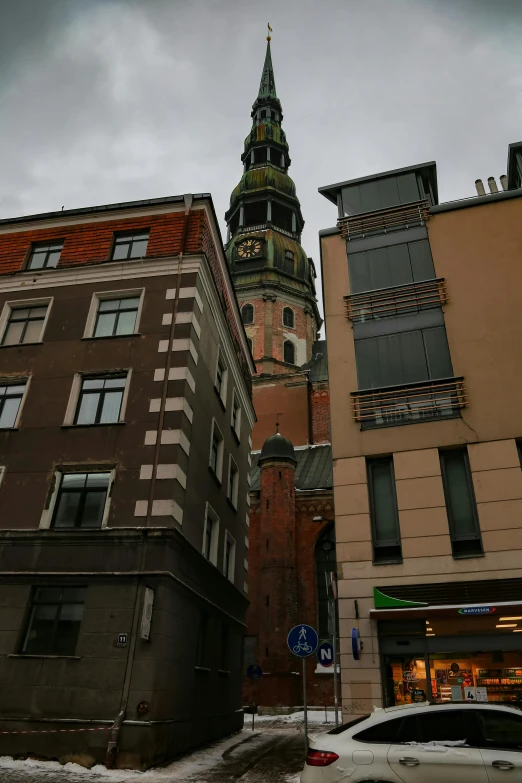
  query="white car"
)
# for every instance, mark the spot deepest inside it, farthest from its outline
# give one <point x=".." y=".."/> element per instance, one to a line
<point x="421" y="743"/>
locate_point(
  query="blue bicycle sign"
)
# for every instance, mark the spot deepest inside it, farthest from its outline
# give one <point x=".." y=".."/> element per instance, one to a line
<point x="302" y="641"/>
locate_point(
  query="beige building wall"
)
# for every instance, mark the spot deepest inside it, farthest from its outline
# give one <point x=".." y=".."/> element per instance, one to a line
<point x="478" y="250"/>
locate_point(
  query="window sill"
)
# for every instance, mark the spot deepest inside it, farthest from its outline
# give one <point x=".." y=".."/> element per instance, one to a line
<point x="60" y="657"/>
<point x="99" y="424"/>
<point x="9" y="429"/>
<point x="202" y="669"/>
<point x="22" y="345"/>
<point x="112" y="336"/>
<point x="395" y="561"/>
<point x="215" y="476"/>
<point x="468" y="557"/>
<point x="224" y="672"/>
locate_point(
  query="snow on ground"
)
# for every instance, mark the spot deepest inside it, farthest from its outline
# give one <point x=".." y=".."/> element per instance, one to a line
<point x="192" y="767"/>
<point x="294" y="720"/>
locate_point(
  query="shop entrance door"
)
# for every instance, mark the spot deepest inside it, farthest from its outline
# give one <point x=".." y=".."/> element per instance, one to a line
<point x="405" y="680"/>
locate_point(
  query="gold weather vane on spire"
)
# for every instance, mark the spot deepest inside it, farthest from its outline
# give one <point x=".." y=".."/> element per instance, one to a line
<point x="269" y="37"/>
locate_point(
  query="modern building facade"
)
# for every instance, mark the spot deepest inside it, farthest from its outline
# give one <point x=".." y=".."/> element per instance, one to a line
<point x="422" y="309"/>
<point x="125" y="422"/>
<point x="275" y="285"/>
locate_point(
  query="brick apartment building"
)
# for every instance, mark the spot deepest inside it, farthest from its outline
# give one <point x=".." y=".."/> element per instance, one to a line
<point x="125" y="422"/>
<point x="422" y="308"/>
<point x="274" y="282"/>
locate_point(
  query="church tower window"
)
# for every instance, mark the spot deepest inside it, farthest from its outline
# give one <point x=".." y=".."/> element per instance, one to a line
<point x="289" y="265"/>
<point x="247" y="314"/>
<point x="288" y="318"/>
<point x="289" y="352"/>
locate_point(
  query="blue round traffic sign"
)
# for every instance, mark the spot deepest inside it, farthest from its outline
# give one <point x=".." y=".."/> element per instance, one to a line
<point x="254" y="671"/>
<point x="303" y="640"/>
<point x="325" y="654"/>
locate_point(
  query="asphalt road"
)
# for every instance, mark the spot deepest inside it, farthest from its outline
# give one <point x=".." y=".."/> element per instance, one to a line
<point x="268" y="756"/>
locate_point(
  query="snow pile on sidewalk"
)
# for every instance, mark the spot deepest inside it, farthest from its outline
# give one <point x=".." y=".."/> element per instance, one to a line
<point x="32" y="765"/>
<point x="296" y="719"/>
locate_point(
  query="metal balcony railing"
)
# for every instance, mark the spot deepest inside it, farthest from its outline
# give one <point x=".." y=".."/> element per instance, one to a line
<point x="409" y="403"/>
<point x="397" y="300"/>
<point x="384" y="220"/>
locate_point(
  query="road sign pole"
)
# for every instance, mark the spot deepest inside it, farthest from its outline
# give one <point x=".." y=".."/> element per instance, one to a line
<point x="305" y="708"/>
<point x="334" y="638"/>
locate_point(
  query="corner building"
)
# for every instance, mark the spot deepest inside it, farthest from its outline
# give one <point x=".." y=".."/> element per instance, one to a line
<point x="275" y="284"/>
<point x="422" y="308"/>
<point x="125" y="422"/>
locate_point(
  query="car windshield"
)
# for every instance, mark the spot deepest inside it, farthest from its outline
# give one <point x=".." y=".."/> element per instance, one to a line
<point x="346" y="726"/>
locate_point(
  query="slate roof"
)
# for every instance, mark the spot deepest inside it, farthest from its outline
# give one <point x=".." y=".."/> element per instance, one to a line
<point x="318" y="364"/>
<point x="313" y="471"/>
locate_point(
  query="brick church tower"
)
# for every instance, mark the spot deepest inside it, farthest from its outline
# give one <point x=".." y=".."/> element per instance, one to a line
<point x="273" y="277"/>
<point x="291" y="535"/>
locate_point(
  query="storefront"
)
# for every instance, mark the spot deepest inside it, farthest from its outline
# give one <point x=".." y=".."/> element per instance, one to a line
<point x="450" y="653"/>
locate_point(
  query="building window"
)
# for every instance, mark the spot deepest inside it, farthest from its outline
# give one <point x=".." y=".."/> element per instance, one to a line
<point x="81" y="500"/>
<point x="216" y="451"/>
<point x="250" y="345"/>
<point x="289" y="352"/>
<point x="130" y="246"/>
<point x="249" y="651"/>
<point x="210" y="535"/>
<point x="45" y="256"/>
<point x="288" y="317"/>
<point x="116" y="316"/>
<point x="519" y="449"/>
<point x="11" y="395"/>
<point x="386" y="536"/>
<point x="54" y="621"/>
<point x="247" y="314"/>
<point x="233" y="482"/>
<point x="221" y="379"/>
<point x="466" y="540"/>
<point x="288" y="263"/>
<point x="25" y="325"/>
<point x="100" y="399"/>
<point x="203" y="649"/>
<point x="229" y="557"/>
<point x="236" y="415"/>
<point x="386" y="267"/>
<point x="325" y="564"/>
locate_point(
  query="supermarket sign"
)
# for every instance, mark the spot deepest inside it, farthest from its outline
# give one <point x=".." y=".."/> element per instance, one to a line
<point x="477" y="610"/>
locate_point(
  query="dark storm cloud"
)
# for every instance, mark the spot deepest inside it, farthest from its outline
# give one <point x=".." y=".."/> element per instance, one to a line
<point x="109" y="100"/>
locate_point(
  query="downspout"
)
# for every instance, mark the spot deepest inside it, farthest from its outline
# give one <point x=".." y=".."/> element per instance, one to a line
<point x="112" y="747"/>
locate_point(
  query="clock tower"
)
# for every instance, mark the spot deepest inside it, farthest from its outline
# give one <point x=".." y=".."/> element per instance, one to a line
<point x="273" y="277"/>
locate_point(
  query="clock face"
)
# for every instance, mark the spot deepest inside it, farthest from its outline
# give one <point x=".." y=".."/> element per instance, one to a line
<point x="249" y="248"/>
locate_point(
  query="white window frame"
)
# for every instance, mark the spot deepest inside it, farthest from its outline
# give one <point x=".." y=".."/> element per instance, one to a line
<point x="287" y="307"/>
<point x="74" y="396"/>
<point x="17" y="382"/>
<point x="232" y="562"/>
<point x="19" y="304"/>
<point x="237" y="427"/>
<point x="224" y="380"/>
<point x="235" y="485"/>
<point x="214" y="541"/>
<point x="219" y="467"/>
<point x="47" y="513"/>
<point x="101" y="296"/>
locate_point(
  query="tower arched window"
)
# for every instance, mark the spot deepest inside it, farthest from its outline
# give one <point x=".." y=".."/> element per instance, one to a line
<point x="325" y="563"/>
<point x="289" y="352"/>
<point x="247" y="314"/>
<point x="288" y="317"/>
<point x="250" y="345"/>
<point x="288" y="265"/>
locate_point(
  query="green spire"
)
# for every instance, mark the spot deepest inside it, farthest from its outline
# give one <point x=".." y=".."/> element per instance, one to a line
<point x="267" y="87"/>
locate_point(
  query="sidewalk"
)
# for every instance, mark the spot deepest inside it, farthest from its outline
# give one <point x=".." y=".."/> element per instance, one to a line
<point x="267" y="755"/>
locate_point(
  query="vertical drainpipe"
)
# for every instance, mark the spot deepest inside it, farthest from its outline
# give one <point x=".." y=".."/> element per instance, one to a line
<point x="112" y="747"/>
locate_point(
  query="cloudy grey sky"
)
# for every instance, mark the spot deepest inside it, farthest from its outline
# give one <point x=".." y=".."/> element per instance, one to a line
<point x="114" y="100"/>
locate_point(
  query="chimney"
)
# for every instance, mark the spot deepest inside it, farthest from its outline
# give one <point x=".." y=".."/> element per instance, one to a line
<point x="492" y="185"/>
<point x="479" y="185"/>
<point x="503" y="181"/>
